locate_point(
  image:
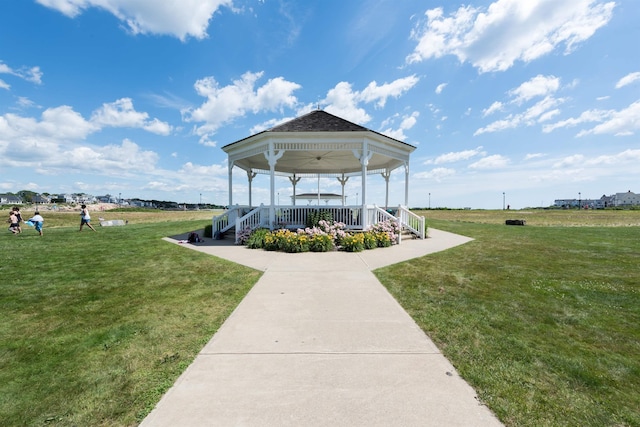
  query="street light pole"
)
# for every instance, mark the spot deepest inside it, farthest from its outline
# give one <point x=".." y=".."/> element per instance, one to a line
<point x="579" y="200"/>
<point x="429" y="200"/>
<point x="503" y="201"/>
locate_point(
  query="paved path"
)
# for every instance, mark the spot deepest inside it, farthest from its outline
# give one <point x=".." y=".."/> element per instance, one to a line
<point x="318" y="341"/>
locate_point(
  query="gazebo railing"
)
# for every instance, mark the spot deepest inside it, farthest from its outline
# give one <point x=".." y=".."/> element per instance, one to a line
<point x="258" y="217"/>
<point x="227" y="220"/>
<point x="294" y="217"/>
<point x="412" y="222"/>
<point x="377" y="215"/>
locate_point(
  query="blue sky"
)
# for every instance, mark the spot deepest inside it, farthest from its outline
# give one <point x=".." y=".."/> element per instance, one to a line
<point x="537" y="99"/>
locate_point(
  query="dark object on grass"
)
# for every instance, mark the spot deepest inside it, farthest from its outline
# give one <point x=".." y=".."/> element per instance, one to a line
<point x="515" y="222"/>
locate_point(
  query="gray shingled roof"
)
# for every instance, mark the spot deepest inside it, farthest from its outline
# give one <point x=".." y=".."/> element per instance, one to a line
<point x="318" y="121"/>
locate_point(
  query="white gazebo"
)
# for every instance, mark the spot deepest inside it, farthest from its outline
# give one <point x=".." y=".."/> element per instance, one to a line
<point x="315" y="145"/>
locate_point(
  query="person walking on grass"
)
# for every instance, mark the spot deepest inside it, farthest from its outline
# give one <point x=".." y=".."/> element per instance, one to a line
<point x="37" y="221"/>
<point x="85" y="218"/>
<point x="16" y="211"/>
<point x="13" y="222"/>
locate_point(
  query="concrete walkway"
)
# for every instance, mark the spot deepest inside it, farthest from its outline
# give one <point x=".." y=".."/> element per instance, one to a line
<point x="318" y="341"/>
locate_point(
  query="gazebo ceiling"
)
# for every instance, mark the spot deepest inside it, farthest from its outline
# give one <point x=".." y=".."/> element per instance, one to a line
<point x="318" y="143"/>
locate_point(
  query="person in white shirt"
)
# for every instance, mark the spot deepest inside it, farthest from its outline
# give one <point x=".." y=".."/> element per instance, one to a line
<point x="38" y="222"/>
<point x="85" y="218"/>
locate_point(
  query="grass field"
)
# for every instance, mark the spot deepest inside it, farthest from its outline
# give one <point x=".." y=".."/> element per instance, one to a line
<point x="543" y="320"/>
<point x="97" y="326"/>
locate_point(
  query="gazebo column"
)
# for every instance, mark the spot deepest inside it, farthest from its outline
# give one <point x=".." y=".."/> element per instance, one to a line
<point x="386" y="175"/>
<point x="272" y="157"/>
<point x="343" y="180"/>
<point x="250" y="175"/>
<point x="406" y="184"/>
<point x="364" y="158"/>
<point x="294" y="180"/>
<point x="230" y="168"/>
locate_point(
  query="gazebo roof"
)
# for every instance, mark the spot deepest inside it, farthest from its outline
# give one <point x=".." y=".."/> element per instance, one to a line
<point x="318" y="144"/>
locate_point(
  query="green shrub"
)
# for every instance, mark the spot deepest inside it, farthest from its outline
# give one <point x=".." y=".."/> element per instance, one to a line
<point x="208" y="230"/>
<point x="257" y="238"/>
<point x="353" y="242"/>
<point x="383" y="240"/>
<point x="321" y="243"/>
<point x="313" y="218"/>
<point x="369" y="240"/>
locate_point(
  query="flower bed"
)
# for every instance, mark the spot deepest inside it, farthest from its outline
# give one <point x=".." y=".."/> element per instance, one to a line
<point x="322" y="237"/>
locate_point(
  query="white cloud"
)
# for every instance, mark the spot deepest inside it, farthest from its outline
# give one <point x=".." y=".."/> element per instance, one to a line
<point x="538" y="86"/>
<point x="490" y="162"/>
<point x="628" y="79"/>
<point x="225" y="104"/>
<point x="496" y="106"/>
<point x="440" y="88"/>
<point x="453" y="157"/>
<point x="585" y="117"/>
<point x="534" y="156"/>
<point x="573" y="160"/>
<point x="620" y="123"/>
<point x="111" y="159"/>
<point x="205" y="172"/>
<point x="343" y="101"/>
<point x="379" y="94"/>
<point x="30" y="74"/>
<point x="541" y="111"/>
<point x="437" y="174"/>
<point x="122" y="114"/>
<point x="492" y="39"/>
<point x="407" y="122"/>
<point x="4" y="85"/>
<point x="180" y="18"/>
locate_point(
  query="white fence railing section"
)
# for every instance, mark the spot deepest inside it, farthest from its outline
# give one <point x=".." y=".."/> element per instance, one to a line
<point x="294" y="217"/>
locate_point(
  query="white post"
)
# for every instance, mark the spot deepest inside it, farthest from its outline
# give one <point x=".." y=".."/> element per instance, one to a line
<point x="406" y="184"/>
<point x="230" y="167"/>
<point x="386" y="175"/>
<point x="272" y="157"/>
<point x="294" y="180"/>
<point x="250" y="176"/>
<point x="364" y="158"/>
<point x="343" y="181"/>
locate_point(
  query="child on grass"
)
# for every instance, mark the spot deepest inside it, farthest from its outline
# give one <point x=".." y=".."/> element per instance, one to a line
<point x="37" y="221"/>
<point x="85" y="218"/>
<point x="16" y="211"/>
<point x="13" y="222"/>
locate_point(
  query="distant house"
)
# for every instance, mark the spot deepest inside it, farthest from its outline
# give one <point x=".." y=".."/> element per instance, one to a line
<point x="10" y="199"/>
<point x="40" y="199"/>
<point x="619" y="199"/>
<point x="626" y="199"/>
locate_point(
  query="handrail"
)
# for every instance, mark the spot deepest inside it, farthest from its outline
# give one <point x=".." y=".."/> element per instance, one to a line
<point x="243" y="217"/>
<point x="227" y="220"/>
<point x="412" y="222"/>
<point x="377" y="215"/>
<point x="256" y="218"/>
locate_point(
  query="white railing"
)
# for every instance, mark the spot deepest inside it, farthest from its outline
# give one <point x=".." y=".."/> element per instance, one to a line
<point x="412" y="222"/>
<point x="377" y="214"/>
<point x="294" y="217"/>
<point x="258" y="217"/>
<point x="227" y="220"/>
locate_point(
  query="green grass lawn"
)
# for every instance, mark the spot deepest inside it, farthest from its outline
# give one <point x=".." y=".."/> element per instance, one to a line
<point x="543" y="321"/>
<point x="97" y="326"/>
